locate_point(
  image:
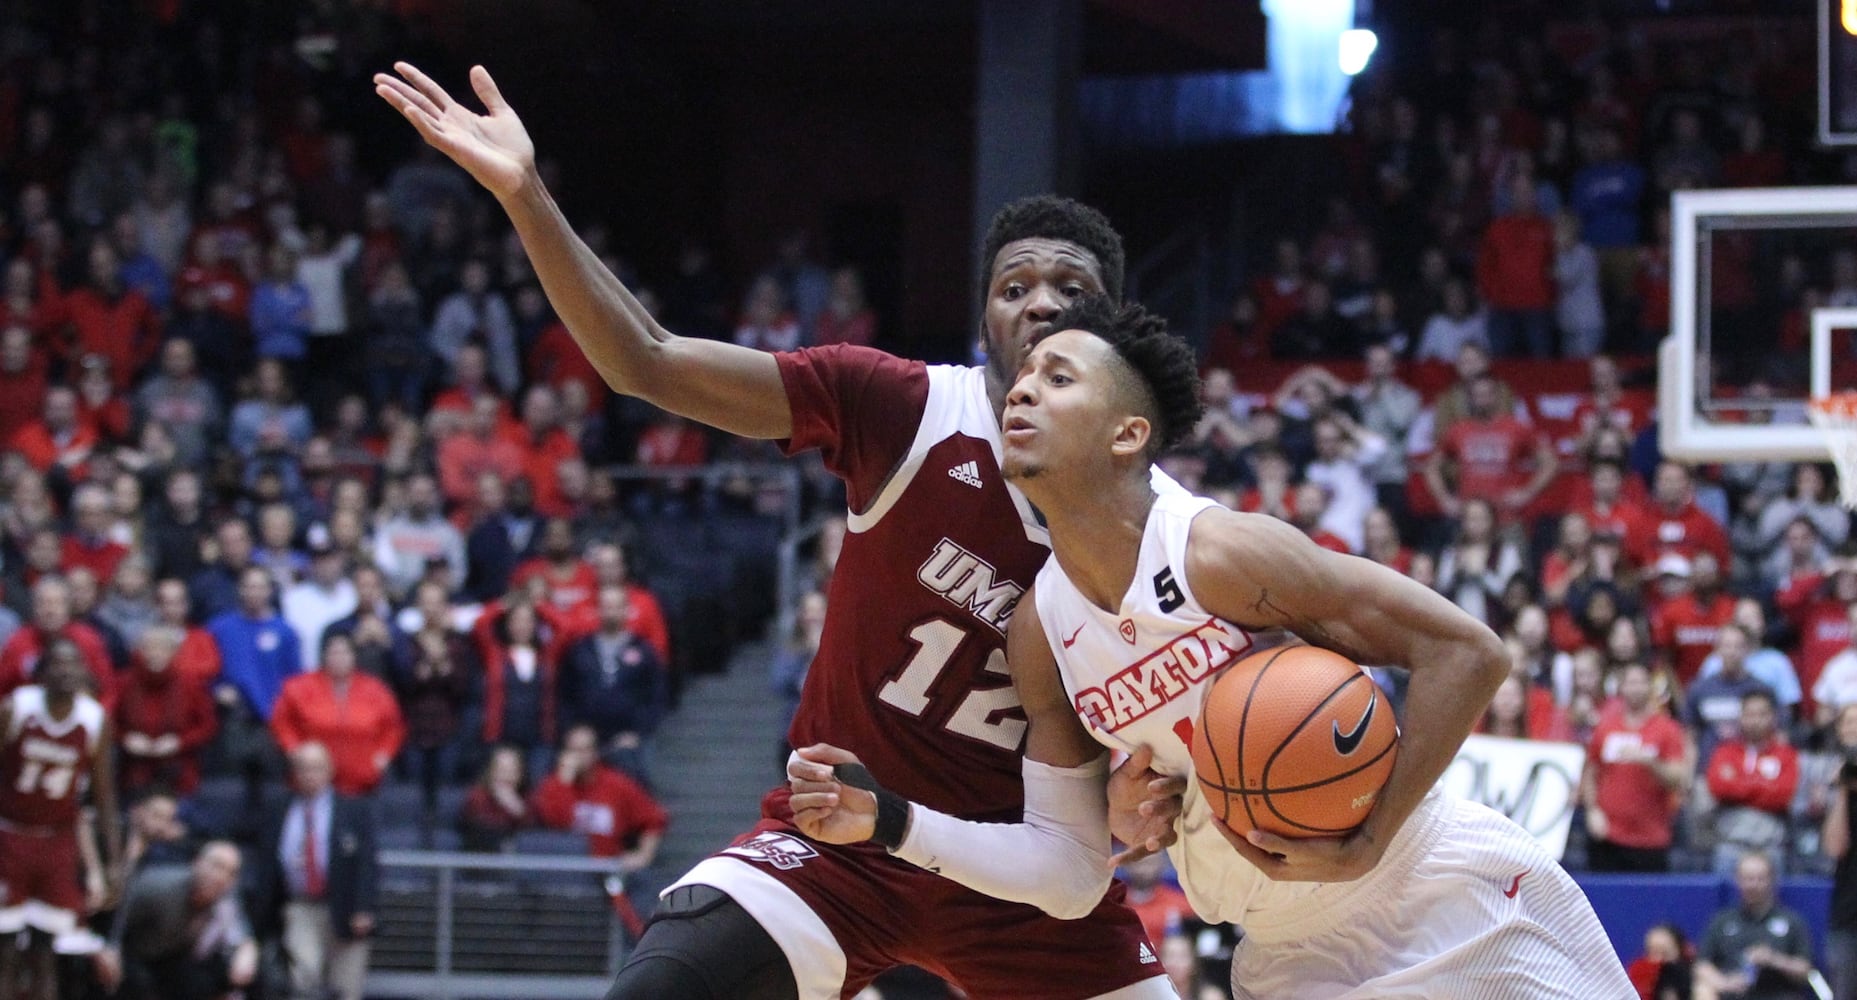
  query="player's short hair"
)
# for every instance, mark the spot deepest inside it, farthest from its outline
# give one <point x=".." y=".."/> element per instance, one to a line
<point x="1164" y="366"/>
<point x="1048" y="216"/>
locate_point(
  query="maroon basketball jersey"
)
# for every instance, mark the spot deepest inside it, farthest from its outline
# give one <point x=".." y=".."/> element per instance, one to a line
<point x="45" y="764"/>
<point x="911" y="671"/>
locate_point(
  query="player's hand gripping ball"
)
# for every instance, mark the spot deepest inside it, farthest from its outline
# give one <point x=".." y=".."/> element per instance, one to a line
<point x="1295" y="741"/>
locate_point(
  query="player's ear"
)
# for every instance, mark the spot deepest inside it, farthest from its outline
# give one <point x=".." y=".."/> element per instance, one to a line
<point x="1131" y="436"/>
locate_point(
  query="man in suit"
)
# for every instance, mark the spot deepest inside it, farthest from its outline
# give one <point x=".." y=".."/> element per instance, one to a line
<point x="319" y="849"/>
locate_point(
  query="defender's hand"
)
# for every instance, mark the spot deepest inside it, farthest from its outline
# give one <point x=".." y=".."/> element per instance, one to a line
<point x="1144" y="806"/>
<point x="493" y="147"/>
<point x="824" y="808"/>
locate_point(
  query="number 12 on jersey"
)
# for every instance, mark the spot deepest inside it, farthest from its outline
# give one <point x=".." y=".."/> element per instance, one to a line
<point x="937" y="640"/>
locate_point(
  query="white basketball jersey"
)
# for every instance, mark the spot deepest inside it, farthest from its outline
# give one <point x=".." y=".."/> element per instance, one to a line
<point x="1138" y="675"/>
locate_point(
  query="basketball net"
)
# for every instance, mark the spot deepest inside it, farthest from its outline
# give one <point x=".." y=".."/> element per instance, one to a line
<point x="1835" y="416"/>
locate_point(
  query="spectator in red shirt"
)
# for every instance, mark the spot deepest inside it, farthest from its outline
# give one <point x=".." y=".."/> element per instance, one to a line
<point x="22" y="380"/>
<point x="1602" y="499"/>
<point x="351" y="713"/>
<point x="1383" y="544"/>
<point x="89" y="545"/>
<point x="1278" y="294"/>
<point x="32" y="301"/>
<point x="496" y="808"/>
<point x="1674" y="523"/>
<point x="1605" y="408"/>
<point x="519" y="655"/>
<point x="544" y="445"/>
<point x="110" y="320"/>
<point x="1818" y="608"/>
<point x="197" y="657"/>
<point x="567" y="582"/>
<point x="51" y="619"/>
<point x="1515" y="275"/>
<point x="847" y="317"/>
<point x="1752" y="778"/>
<point x="100" y="405"/>
<point x="478" y="450"/>
<point x="58" y="437"/>
<point x="644" y="614"/>
<point x="164" y="719"/>
<point x="228" y="290"/>
<point x="621" y="819"/>
<point x="1684" y="627"/>
<point x="1487" y="450"/>
<point x="1637" y="771"/>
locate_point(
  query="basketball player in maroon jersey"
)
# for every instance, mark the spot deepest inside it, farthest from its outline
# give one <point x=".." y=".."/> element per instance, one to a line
<point x="911" y="669"/>
<point x="54" y="739"/>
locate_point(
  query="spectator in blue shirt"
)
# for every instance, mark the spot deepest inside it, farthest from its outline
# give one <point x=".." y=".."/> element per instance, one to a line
<point x="1608" y="194"/>
<point x="613" y="681"/>
<point x="258" y="649"/>
<point x="280" y="309"/>
<point x="138" y="269"/>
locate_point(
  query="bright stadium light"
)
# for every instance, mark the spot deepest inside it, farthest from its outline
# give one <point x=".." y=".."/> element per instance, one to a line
<point x="1357" y="45"/>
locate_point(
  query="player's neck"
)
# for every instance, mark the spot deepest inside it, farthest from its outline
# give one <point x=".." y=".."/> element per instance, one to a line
<point x="1096" y="536"/>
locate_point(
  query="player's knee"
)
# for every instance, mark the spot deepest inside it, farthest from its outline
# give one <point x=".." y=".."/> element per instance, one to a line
<point x="701" y="945"/>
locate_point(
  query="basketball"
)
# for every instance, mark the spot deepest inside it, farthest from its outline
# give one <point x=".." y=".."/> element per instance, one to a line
<point x="1295" y="741"/>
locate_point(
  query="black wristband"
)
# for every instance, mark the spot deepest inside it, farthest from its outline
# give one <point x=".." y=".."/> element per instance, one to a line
<point x="892" y="819"/>
<point x="892" y="809"/>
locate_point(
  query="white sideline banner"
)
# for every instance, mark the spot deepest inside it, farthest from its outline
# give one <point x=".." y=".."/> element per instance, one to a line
<point x="1536" y="783"/>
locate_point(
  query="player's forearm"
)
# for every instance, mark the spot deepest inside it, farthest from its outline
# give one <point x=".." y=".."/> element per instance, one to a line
<point x="732" y="388"/>
<point x="608" y="323"/>
<point x="1451" y="685"/>
<point x="1057" y="860"/>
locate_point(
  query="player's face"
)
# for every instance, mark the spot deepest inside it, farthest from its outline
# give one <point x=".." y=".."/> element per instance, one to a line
<point x="1060" y="411"/>
<point x="1033" y="280"/>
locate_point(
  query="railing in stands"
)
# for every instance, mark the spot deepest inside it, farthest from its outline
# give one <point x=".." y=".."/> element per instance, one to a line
<point x="501" y="925"/>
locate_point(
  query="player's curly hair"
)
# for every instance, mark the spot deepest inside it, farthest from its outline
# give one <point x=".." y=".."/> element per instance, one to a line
<point x="1048" y="216"/>
<point x="1165" y="365"/>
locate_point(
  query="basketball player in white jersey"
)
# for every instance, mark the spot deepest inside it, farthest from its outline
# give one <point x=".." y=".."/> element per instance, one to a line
<point x="1144" y="600"/>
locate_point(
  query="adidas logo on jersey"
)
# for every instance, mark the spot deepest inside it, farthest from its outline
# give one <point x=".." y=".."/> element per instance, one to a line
<point x="967" y="472"/>
<point x="1147" y="954"/>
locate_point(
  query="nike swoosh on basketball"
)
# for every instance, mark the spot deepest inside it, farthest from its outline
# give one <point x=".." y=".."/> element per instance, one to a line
<point x="1347" y="743"/>
<point x="1515" y="886"/>
<point x="1073" y="637"/>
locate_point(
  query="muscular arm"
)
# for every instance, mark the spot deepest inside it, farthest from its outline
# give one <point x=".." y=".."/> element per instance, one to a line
<point x="1056" y="860"/>
<point x="732" y="388"/>
<point x="1261" y="573"/>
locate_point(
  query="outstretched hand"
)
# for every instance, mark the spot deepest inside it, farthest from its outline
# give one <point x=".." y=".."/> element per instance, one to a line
<point x="1144" y="806"/>
<point x="824" y="808"/>
<point x="493" y="147"/>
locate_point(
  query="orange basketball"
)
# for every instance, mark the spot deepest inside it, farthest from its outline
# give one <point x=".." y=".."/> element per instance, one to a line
<point x="1295" y="741"/>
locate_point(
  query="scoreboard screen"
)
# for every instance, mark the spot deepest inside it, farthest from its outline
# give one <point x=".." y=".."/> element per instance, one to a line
<point x="1837" y="72"/>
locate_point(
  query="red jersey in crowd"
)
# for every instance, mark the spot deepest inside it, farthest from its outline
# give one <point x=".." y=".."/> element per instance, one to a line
<point x="1515" y="268"/>
<point x="566" y="590"/>
<point x="1686" y="532"/>
<point x="157" y="705"/>
<point x="556" y="358"/>
<point x="1491" y="455"/>
<point x="124" y="330"/>
<point x="22" y="398"/>
<point x="97" y="554"/>
<point x="42" y="449"/>
<point x="610" y="808"/>
<point x="362" y="728"/>
<point x="45" y="762"/>
<point x="1763" y="777"/>
<point x="1685" y="628"/>
<point x="1640" y="810"/>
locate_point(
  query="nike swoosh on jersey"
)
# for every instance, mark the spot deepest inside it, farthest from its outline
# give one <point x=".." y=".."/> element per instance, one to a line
<point x="1347" y="743"/>
<point x="1515" y="886"/>
<point x="1073" y="637"/>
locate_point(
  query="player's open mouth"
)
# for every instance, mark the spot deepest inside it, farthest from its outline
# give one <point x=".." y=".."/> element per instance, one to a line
<point x="1018" y="428"/>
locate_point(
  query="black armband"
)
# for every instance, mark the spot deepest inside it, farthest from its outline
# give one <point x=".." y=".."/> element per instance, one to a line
<point x="892" y="809"/>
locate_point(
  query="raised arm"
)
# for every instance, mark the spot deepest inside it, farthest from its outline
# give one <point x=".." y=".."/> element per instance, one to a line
<point x="725" y="386"/>
<point x="1261" y="573"/>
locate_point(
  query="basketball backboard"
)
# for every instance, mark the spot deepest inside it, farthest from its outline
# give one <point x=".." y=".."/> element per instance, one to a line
<point x="1763" y="316"/>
